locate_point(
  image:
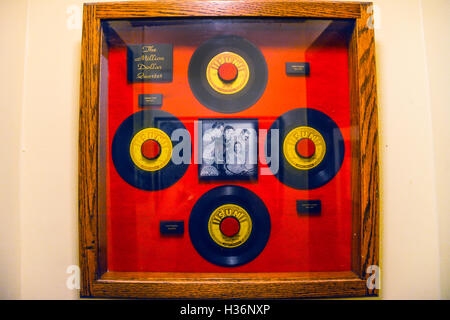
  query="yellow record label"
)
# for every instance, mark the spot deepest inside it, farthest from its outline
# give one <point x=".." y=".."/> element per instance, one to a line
<point x="166" y="149"/>
<point x="290" y="145"/>
<point x="235" y="211"/>
<point x="212" y="73"/>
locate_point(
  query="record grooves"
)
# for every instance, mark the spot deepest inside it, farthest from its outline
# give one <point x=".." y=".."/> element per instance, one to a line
<point x="242" y="245"/>
<point x="227" y="74"/>
<point x="130" y="153"/>
<point x="320" y="161"/>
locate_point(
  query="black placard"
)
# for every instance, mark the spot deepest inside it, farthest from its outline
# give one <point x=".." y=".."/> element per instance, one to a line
<point x="171" y="227"/>
<point x="150" y="100"/>
<point x="297" y="68"/>
<point x="309" y="207"/>
<point x="150" y="63"/>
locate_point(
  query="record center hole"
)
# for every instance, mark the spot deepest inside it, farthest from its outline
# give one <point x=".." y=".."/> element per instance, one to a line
<point x="305" y="148"/>
<point x="151" y="149"/>
<point x="230" y="226"/>
<point x="228" y="72"/>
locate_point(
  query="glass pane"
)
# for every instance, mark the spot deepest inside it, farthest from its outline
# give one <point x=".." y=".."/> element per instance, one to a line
<point x="226" y="145"/>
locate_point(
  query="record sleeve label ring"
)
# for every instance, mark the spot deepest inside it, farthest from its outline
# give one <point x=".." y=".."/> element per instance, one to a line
<point x="227" y="73"/>
<point x="230" y="225"/>
<point x="300" y="157"/>
<point x="143" y="137"/>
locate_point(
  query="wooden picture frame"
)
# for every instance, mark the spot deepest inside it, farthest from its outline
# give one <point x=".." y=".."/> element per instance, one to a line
<point x="96" y="281"/>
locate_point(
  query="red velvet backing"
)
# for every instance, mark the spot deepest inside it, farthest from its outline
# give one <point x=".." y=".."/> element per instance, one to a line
<point x="296" y="243"/>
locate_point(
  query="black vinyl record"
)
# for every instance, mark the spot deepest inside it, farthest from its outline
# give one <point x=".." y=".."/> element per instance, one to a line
<point x="256" y="215"/>
<point x="247" y="55"/>
<point x="294" y="170"/>
<point x="149" y="175"/>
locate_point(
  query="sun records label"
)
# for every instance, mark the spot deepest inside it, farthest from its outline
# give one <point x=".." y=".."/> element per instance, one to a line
<point x="216" y="221"/>
<point x="150" y="63"/>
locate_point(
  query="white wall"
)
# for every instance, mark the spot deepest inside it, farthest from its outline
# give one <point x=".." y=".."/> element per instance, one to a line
<point x="40" y="117"/>
<point x="49" y="162"/>
<point x="409" y="217"/>
<point x="12" y="33"/>
<point x="436" y="28"/>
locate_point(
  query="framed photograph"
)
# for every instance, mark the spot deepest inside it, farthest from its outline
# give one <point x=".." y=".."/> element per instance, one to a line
<point x="228" y="149"/>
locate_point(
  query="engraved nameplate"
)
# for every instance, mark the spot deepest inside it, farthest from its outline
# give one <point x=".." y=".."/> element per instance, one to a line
<point x="174" y="228"/>
<point x="150" y="63"/>
<point x="297" y="68"/>
<point x="150" y="100"/>
<point x="309" y="207"/>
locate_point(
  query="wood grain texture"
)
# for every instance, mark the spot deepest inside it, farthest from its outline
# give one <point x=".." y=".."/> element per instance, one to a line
<point x="96" y="282"/>
<point x="231" y="290"/>
<point x="368" y="142"/>
<point x="312" y="9"/>
<point x="177" y="276"/>
<point x="228" y="286"/>
<point x="88" y="150"/>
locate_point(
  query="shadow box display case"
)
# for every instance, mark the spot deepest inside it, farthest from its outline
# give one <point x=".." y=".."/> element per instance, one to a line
<point x="228" y="149"/>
